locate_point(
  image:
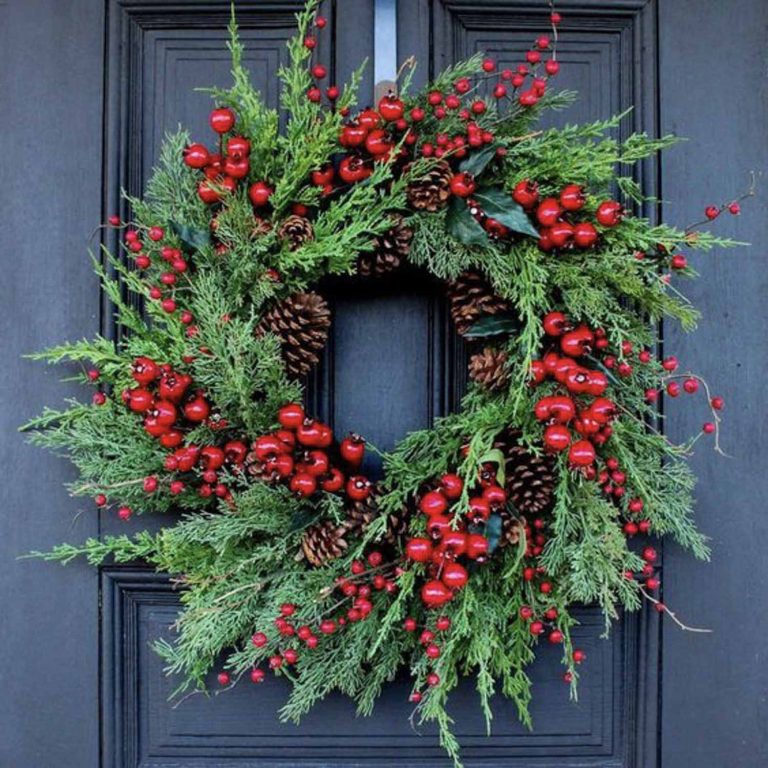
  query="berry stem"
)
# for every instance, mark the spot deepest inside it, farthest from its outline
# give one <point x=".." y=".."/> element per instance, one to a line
<point x="670" y="613"/>
<point x="723" y="206"/>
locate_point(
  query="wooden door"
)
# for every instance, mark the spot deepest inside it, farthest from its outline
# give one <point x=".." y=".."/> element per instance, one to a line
<point x="88" y="88"/>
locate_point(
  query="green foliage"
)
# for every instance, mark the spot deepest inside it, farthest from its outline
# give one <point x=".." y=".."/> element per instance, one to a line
<point x="237" y="560"/>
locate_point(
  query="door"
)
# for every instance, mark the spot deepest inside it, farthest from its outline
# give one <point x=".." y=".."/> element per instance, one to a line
<point x="88" y="88"/>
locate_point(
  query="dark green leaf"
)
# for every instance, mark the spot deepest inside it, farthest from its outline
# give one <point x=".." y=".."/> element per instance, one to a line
<point x="193" y="239"/>
<point x="493" y="325"/>
<point x="493" y="527"/>
<point x="462" y="225"/>
<point x="497" y="204"/>
<point x="476" y="162"/>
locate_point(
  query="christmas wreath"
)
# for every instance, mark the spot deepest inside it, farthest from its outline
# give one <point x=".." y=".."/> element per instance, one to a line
<point x="485" y="529"/>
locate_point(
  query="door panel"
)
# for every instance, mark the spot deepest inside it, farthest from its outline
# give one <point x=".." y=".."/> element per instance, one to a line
<point x="715" y="707"/>
<point x="107" y="79"/>
<point x="50" y="91"/>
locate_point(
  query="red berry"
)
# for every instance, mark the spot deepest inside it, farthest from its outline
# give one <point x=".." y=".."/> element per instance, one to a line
<point x="555" y="636"/>
<point x="435" y="593"/>
<point x="548" y="211"/>
<point x="291" y="416"/>
<point x="669" y="363"/>
<point x="581" y="453"/>
<point x="433" y="679"/>
<point x="572" y="197"/>
<point x="678" y="261"/>
<point x="259" y="193"/>
<point x="708" y="428"/>
<point x="691" y="385"/>
<point x="578" y="656"/>
<point x="711" y="212"/>
<point x="303" y="484"/>
<point x="223" y="678"/>
<point x="328" y="626"/>
<point x="432" y="651"/>
<point x="717" y="403"/>
<point x="352" y="449"/>
<point x="443" y="623"/>
<point x="409" y="625"/>
<point x="358" y="488"/>
<point x="609" y="213"/>
<point x="196" y="156"/>
<point x="257" y="675"/>
<point x="222" y="119"/>
<point x="734" y="208"/>
<point x="452" y="486"/>
<point x="526" y="193"/>
<point x="536" y="628"/>
<point x="454" y="575"/>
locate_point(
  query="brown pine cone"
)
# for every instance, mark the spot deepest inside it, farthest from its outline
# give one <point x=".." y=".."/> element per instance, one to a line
<point x="360" y="514"/>
<point x="388" y="252"/>
<point x="531" y="480"/>
<point x="512" y="529"/>
<point x="323" y="542"/>
<point x="431" y="191"/>
<point x="471" y="297"/>
<point x="296" y="230"/>
<point x="489" y="369"/>
<point x="397" y="526"/>
<point x="301" y="322"/>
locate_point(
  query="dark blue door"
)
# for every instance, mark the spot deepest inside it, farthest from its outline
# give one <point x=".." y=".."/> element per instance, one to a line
<point x="88" y="88"/>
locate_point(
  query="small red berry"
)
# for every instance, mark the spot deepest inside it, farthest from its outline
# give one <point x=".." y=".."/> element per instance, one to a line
<point x="257" y="675"/>
<point x="708" y="428"/>
<point x="224" y="678"/>
<point x="711" y="212"/>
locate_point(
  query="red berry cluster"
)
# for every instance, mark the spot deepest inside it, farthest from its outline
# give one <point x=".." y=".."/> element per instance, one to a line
<point x="556" y="216"/>
<point x="583" y="408"/>
<point x="358" y="591"/>
<point x="300" y="455"/>
<point x="147" y="245"/>
<point x="171" y="407"/>
<point x="225" y="168"/>
<point x="647" y="575"/>
<point x="452" y="539"/>
<point x="428" y="640"/>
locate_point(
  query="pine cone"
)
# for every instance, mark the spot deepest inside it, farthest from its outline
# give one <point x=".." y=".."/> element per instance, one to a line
<point x="389" y="250"/>
<point x="323" y="542"/>
<point x="531" y="480"/>
<point x="301" y="323"/>
<point x="511" y="529"/>
<point x="360" y="514"/>
<point x="297" y="231"/>
<point x="489" y="369"/>
<point x="471" y="297"/>
<point x="431" y="191"/>
<point x="397" y="526"/>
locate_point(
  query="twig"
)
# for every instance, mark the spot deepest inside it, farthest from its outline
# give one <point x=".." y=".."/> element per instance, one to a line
<point x="671" y="614"/>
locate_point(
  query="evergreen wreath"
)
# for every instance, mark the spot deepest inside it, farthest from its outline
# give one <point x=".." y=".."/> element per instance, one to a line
<point x="486" y="528"/>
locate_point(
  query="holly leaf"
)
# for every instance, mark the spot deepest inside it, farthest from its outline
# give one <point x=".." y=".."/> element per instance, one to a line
<point x="497" y="204"/>
<point x="493" y="325"/>
<point x="462" y="225"/>
<point x="193" y="239"/>
<point x="493" y="528"/>
<point x="496" y="456"/>
<point x="476" y="162"/>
